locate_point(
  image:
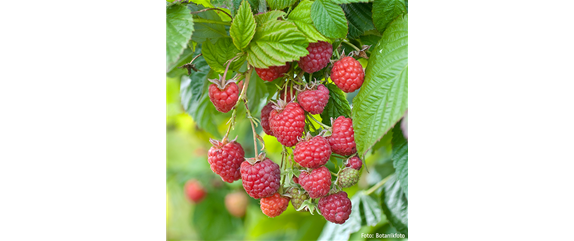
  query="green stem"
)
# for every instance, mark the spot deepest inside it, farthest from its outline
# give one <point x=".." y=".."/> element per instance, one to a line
<point x="318" y="122"/>
<point x="377" y="186"/>
<point x="201" y="20"/>
<point x="350" y="44"/>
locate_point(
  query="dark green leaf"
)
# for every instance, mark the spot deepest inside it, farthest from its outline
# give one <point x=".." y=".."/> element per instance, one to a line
<point x="348" y="1"/>
<point x="385" y="11"/>
<point x="401" y="158"/>
<point x="395" y="205"/>
<point x="257" y="94"/>
<point x="243" y="26"/>
<point x="301" y="16"/>
<point x="179" y="27"/>
<point x="359" y="16"/>
<point x="329" y="19"/>
<point x="337" y="105"/>
<point x="219" y="53"/>
<point x="280" y="4"/>
<point x="204" y="31"/>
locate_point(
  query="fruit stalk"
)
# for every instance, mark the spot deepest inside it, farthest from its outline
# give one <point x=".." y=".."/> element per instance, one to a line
<point x="377" y="186"/>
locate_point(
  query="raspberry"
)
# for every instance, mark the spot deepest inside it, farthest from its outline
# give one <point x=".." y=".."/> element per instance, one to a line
<point x="194" y="191"/>
<point x="314" y="101"/>
<point x="343" y="138"/>
<point x="260" y="179"/>
<point x="224" y="99"/>
<point x="295" y="179"/>
<point x="317" y="183"/>
<point x="236" y="203"/>
<point x="312" y="153"/>
<point x="319" y="55"/>
<point x="273" y="72"/>
<point x="290" y="94"/>
<point x="355" y="163"/>
<point x="225" y="159"/>
<point x="274" y="205"/>
<point x="265" y="118"/>
<point x="336" y="208"/>
<point x="348" y="177"/>
<point x="287" y="124"/>
<point x="348" y="74"/>
<point x="297" y="197"/>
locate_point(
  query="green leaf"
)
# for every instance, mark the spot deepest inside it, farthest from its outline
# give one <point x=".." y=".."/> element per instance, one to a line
<point x="359" y="16"/>
<point x="301" y="16"/>
<point x="262" y="19"/>
<point x="385" y="11"/>
<point x="219" y="53"/>
<point x="257" y="94"/>
<point x="243" y="26"/>
<point x="348" y="1"/>
<point x="329" y="19"/>
<point x="276" y="43"/>
<point x="383" y="98"/>
<point x="395" y="205"/>
<point x="236" y="3"/>
<point x="210" y="215"/>
<point x="280" y="4"/>
<point x="401" y="158"/>
<point x="179" y="27"/>
<point x="337" y="105"/>
<point x="184" y="58"/>
<point x="204" y="31"/>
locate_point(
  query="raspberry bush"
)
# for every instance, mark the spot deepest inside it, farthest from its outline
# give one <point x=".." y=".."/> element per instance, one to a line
<point x="295" y="97"/>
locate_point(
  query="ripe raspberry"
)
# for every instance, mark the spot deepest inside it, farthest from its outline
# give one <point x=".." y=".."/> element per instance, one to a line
<point x="225" y="159"/>
<point x="290" y="94"/>
<point x="287" y="124"/>
<point x="336" y="208"/>
<point x="194" y="191"/>
<point x="314" y="101"/>
<point x="236" y="203"/>
<point x="260" y="179"/>
<point x="355" y="163"/>
<point x="295" y="179"/>
<point x="319" y="55"/>
<point x="224" y="99"/>
<point x="312" y="153"/>
<point x="343" y="138"/>
<point x="348" y="74"/>
<point x="348" y="177"/>
<point x="273" y="72"/>
<point x="317" y="183"/>
<point x="265" y="118"/>
<point x="297" y="197"/>
<point x="274" y="205"/>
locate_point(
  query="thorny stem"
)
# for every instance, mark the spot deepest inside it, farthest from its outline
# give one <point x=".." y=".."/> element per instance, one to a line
<point x="377" y="186"/>
<point x="350" y="44"/>
<point x="207" y="9"/>
<point x="201" y="20"/>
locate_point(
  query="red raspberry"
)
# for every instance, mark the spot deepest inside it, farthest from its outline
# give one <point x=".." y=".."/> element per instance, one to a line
<point x="225" y="159"/>
<point x="265" y="118"/>
<point x="194" y="191"/>
<point x="224" y="99"/>
<point x="287" y="124"/>
<point x="273" y="72"/>
<point x="314" y="101"/>
<point x="260" y="179"/>
<point x="295" y="179"/>
<point x="348" y="74"/>
<point x="317" y="183"/>
<point x="274" y="205"/>
<point x="348" y="177"/>
<point x="343" y="138"/>
<point x="290" y="94"/>
<point x="312" y="153"/>
<point x="355" y="163"/>
<point x="236" y="203"/>
<point x="336" y="208"/>
<point x="319" y="55"/>
<point x="297" y="197"/>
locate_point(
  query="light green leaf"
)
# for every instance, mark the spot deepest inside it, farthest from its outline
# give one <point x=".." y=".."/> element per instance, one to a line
<point x="263" y="18"/>
<point x="359" y="16"/>
<point x="219" y="53"/>
<point x="337" y="105"/>
<point x="243" y="26"/>
<point x="280" y="4"/>
<point x="348" y="1"/>
<point x="395" y="205"/>
<point x="301" y="16"/>
<point x="385" y="11"/>
<point x="329" y="19"/>
<point x="401" y="158"/>
<point x="179" y="27"/>
<point x="204" y="31"/>
<point x="276" y="43"/>
<point x="383" y="97"/>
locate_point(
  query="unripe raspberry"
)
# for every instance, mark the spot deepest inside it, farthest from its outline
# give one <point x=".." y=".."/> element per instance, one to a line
<point x="348" y="177"/>
<point x="348" y="74"/>
<point x="314" y="101"/>
<point x="224" y="99"/>
<point x="273" y="72"/>
<point x="319" y="55"/>
<point x="355" y="163"/>
<point x="297" y="197"/>
<point x="290" y="94"/>
<point x="342" y="139"/>
<point x="236" y="203"/>
<point x="288" y="124"/>
<point x="194" y="191"/>
<point x="274" y="205"/>
<point x="317" y="183"/>
<point x="225" y="159"/>
<point x="265" y="118"/>
<point x="260" y="179"/>
<point x="336" y="208"/>
<point x="312" y="153"/>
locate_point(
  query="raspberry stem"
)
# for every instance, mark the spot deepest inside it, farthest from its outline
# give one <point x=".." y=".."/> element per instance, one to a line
<point x="377" y="186"/>
<point x="350" y="44"/>
<point x="318" y="122"/>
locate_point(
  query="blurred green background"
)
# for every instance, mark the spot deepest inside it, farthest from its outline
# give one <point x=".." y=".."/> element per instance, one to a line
<point x="187" y="147"/>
